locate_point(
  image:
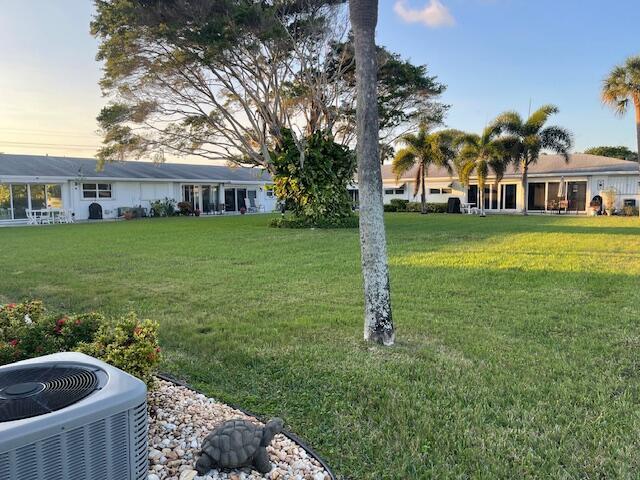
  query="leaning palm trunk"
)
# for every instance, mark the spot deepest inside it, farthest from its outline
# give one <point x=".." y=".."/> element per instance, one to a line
<point x="481" y="188"/>
<point x="378" y="323"/>
<point x="423" y="196"/>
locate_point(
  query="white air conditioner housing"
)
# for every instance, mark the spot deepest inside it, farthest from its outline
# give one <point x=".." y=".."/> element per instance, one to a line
<point x="69" y="416"/>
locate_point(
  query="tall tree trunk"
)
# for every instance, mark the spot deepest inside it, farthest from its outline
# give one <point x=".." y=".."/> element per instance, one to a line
<point x="481" y="188"/>
<point x="637" y="106"/>
<point x="423" y="196"/>
<point x="378" y="322"/>
<point x="525" y="187"/>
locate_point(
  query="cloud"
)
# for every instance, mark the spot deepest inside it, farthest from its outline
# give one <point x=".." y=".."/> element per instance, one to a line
<point x="433" y="15"/>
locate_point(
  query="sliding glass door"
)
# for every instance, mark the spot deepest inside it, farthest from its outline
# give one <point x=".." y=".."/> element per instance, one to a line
<point x="20" y="198"/>
<point x="5" y="203"/>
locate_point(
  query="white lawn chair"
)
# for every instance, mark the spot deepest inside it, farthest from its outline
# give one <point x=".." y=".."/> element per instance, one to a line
<point x="31" y="218"/>
<point x="252" y="206"/>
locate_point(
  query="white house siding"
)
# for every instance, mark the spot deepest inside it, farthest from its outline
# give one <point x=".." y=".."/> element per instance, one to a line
<point x="136" y="193"/>
<point x="626" y="186"/>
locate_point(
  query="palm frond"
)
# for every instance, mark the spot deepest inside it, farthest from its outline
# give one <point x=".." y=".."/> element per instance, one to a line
<point x="404" y="161"/>
<point x="510" y="122"/>
<point x="557" y="139"/>
<point x="537" y="119"/>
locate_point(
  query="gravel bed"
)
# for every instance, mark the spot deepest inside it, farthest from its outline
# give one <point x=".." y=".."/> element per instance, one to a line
<point x="180" y="419"/>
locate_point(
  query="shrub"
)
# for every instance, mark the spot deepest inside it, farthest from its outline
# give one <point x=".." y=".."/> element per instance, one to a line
<point x="305" y="222"/>
<point x="185" y="208"/>
<point x="163" y="208"/>
<point x="315" y="189"/>
<point x="414" y="207"/>
<point x="27" y="330"/>
<point x="437" y="207"/>
<point x="130" y="344"/>
<point x="609" y="198"/>
<point x="630" y="211"/>
<point x="388" y="207"/>
<point x="400" y="204"/>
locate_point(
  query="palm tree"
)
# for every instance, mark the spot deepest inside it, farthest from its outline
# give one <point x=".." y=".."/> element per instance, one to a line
<point x="378" y="323"/>
<point x="532" y="138"/>
<point x="483" y="154"/>
<point x="622" y="85"/>
<point x="424" y="149"/>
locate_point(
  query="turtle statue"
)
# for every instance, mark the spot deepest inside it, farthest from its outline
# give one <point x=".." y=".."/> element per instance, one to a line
<point x="238" y="443"/>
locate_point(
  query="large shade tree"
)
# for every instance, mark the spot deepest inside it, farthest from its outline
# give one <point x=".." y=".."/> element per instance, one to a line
<point x="378" y="322"/>
<point x="533" y="136"/>
<point x="621" y="88"/>
<point x="209" y="77"/>
<point x="483" y="156"/>
<point x="620" y="151"/>
<point x="420" y="151"/>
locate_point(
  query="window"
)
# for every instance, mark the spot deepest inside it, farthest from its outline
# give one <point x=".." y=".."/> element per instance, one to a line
<point x="536" y="196"/>
<point x="446" y="191"/>
<point x="434" y="191"/>
<point x="400" y="191"/>
<point x="96" y="190"/>
<point x="509" y="197"/>
<point x="54" y="196"/>
<point x="389" y="191"/>
<point x="269" y="193"/>
<point x="629" y="202"/>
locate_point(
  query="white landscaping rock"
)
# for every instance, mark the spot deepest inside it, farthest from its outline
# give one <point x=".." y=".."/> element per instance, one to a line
<point x="180" y="418"/>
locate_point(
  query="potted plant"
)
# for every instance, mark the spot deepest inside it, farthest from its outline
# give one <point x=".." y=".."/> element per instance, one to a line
<point x="594" y="208"/>
<point x="243" y="210"/>
<point x="609" y="199"/>
<point x="196" y="212"/>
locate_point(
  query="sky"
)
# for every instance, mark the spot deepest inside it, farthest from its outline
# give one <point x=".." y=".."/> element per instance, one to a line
<point x="493" y="55"/>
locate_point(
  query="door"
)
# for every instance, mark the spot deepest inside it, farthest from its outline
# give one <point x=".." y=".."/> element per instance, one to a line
<point x="577" y="196"/>
<point x="472" y="195"/>
<point x="38" y="197"/>
<point x="20" y="200"/>
<point x="241" y="194"/>
<point x="230" y="200"/>
<point x="509" y="197"/>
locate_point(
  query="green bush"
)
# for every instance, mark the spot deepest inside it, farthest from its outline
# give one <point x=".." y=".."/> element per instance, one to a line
<point x="185" y="208"/>
<point x="305" y="222"/>
<point x="163" y="208"/>
<point x="27" y="330"/>
<point x="630" y="211"/>
<point x="390" y="207"/>
<point x="130" y="344"/>
<point x="400" y="204"/>
<point x="414" y="207"/>
<point x="314" y="189"/>
<point x="437" y="207"/>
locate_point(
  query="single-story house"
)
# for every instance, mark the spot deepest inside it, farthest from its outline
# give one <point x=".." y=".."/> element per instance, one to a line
<point x="36" y="182"/>
<point x="551" y="178"/>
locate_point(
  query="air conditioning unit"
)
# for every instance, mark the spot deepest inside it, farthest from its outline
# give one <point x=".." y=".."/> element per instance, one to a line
<point x="69" y="416"/>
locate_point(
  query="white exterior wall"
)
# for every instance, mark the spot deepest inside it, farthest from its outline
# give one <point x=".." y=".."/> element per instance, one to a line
<point x="626" y="186"/>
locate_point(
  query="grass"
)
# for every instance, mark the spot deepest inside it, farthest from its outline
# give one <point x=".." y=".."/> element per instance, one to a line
<point x="518" y="338"/>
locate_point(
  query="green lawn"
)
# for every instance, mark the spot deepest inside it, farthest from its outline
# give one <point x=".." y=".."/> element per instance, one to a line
<point x="518" y="349"/>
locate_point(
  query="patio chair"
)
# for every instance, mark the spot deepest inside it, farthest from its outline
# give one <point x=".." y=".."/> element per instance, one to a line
<point x="250" y="208"/>
<point x="252" y="205"/>
<point x="31" y="218"/>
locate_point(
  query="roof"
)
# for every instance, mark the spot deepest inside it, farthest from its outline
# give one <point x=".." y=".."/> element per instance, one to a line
<point x="64" y="167"/>
<point x="579" y="164"/>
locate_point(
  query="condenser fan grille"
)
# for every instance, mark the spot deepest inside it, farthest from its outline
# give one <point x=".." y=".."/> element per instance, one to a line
<point x="32" y="391"/>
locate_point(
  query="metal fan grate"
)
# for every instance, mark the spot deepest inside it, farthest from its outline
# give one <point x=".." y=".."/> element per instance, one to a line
<point x="32" y="391"/>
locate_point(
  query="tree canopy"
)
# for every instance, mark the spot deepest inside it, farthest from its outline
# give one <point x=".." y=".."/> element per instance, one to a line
<point x="225" y="78"/>
<point x="621" y="152"/>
